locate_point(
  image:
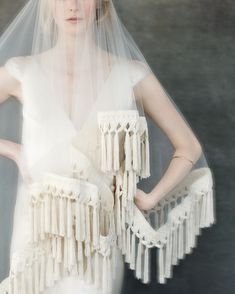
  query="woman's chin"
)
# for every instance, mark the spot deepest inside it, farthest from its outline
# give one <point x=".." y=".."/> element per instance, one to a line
<point x="75" y="29"/>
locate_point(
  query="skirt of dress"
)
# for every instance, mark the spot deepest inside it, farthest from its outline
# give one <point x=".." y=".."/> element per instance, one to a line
<point x="69" y="284"/>
<point x="73" y="285"/>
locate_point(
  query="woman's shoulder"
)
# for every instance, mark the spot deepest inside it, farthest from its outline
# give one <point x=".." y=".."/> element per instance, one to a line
<point x="135" y="70"/>
<point x="17" y="65"/>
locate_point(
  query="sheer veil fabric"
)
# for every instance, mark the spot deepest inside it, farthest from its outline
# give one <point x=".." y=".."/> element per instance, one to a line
<point x="84" y="125"/>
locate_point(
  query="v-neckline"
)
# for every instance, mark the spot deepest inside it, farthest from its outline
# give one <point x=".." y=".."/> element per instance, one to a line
<point x="99" y="96"/>
<point x="95" y="103"/>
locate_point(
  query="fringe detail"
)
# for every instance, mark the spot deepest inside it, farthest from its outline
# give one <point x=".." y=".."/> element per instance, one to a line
<point x="136" y="141"/>
<point x="178" y="219"/>
<point x="70" y="227"/>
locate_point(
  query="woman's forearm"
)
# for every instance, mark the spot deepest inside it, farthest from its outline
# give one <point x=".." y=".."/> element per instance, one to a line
<point x="9" y="149"/>
<point x="175" y="172"/>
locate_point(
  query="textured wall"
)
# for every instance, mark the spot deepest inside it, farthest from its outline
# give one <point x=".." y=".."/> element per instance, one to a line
<point x="190" y="46"/>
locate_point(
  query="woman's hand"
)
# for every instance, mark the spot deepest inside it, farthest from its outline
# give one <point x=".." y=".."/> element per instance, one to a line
<point x="145" y="201"/>
<point x="22" y="168"/>
<point x="12" y="151"/>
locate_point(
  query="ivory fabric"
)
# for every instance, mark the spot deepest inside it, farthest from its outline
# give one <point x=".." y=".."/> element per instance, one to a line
<point x="43" y="155"/>
<point x="70" y="229"/>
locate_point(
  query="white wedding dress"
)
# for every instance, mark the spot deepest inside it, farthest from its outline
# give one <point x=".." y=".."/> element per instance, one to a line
<point x="47" y="134"/>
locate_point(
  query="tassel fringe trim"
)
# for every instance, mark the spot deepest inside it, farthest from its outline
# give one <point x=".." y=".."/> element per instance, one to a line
<point x="115" y="126"/>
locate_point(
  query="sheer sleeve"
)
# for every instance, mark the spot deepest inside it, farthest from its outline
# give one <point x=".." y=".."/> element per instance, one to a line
<point x="15" y="67"/>
<point x="139" y="71"/>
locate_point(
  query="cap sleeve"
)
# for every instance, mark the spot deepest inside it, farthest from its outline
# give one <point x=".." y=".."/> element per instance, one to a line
<point x="139" y="71"/>
<point x="14" y="66"/>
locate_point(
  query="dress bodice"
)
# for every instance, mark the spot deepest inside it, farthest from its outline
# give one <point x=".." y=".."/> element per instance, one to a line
<point x="48" y="130"/>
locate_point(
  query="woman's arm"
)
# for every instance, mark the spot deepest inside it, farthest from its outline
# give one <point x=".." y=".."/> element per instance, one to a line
<point x="159" y="107"/>
<point x="9" y="86"/>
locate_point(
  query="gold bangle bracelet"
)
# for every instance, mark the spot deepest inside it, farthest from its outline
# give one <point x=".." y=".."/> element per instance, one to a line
<point x="179" y="156"/>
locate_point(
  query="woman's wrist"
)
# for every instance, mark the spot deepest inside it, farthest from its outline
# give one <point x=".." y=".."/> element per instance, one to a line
<point x="156" y="196"/>
<point x="10" y="149"/>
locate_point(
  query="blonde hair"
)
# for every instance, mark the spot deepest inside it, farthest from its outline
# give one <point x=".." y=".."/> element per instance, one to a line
<point x="46" y="18"/>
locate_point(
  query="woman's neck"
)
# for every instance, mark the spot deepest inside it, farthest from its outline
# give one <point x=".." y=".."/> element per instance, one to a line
<point x="77" y="49"/>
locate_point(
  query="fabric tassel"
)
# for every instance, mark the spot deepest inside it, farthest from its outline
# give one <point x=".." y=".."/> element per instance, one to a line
<point x="109" y="150"/>
<point x="125" y="188"/>
<point x="89" y="270"/>
<point x="135" y="150"/>
<point x="180" y="245"/>
<point x="35" y="222"/>
<point x="212" y="211"/>
<point x="190" y="232"/>
<point x="47" y="213"/>
<point x="54" y="228"/>
<point x="71" y="252"/>
<point x="127" y="146"/>
<point x="31" y="222"/>
<point x="103" y="151"/>
<point x="208" y="209"/>
<point x="42" y="274"/>
<point x="105" y="274"/>
<point x="97" y="269"/>
<point x="87" y="223"/>
<point x="146" y="265"/>
<point x="62" y="206"/>
<point x="42" y="221"/>
<point x="118" y="213"/>
<point x="109" y="276"/>
<point x="53" y="247"/>
<point x="133" y="251"/>
<point x="143" y="161"/>
<point x="58" y="250"/>
<point x="168" y="263"/>
<point x="69" y="218"/>
<point x="123" y="241"/>
<point x="82" y="221"/>
<point x="116" y="164"/>
<point x="139" y="261"/>
<point x="147" y="157"/>
<point x="78" y="221"/>
<point x="197" y="217"/>
<point x="161" y="267"/>
<point x="130" y="185"/>
<point x="139" y="154"/>
<point x="203" y="212"/>
<point x="65" y="255"/>
<point x="95" y="227"/>
<point x="36" y="277"/>
<point x="193" y="229"/>
<point x="49" y="271"/>
<point x="114" y="262"/>
<point x="56" y="275"/>
<point x="123" y="216"/>
<point x="175" y="245"/>
<point x="80" y="259"/>
<point x="128" y="245"/>
<point x="187" y="235"/>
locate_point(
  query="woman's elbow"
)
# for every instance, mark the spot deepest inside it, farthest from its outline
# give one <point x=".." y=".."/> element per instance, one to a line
<point x="193" y="150"/>
<point x="197" y="150"/>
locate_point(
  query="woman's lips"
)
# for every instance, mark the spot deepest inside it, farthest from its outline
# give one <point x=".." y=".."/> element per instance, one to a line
<point x="74" y="19"/>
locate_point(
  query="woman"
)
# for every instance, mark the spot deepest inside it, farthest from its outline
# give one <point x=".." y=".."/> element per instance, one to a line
<point x="84" y="87"/>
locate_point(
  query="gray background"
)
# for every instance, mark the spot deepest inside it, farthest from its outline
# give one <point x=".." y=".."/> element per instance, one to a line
<point x="190" y="46"/>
